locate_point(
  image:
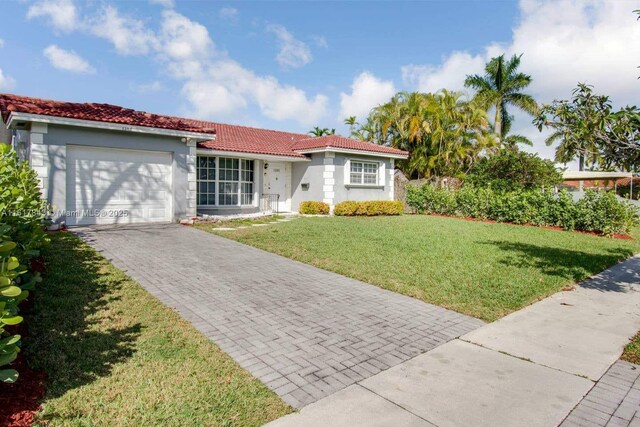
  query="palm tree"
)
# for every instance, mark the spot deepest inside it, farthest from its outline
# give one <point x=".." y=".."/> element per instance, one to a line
<point x="318" y="132"/>
<point x="443" y="132"/>
<point x="501" y="87"/>
<point x="511" y="141"/>
<point x="352" y="123"/>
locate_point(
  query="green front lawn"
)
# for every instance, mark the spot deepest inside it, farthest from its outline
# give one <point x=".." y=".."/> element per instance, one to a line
<point x="115" y="356"/>
<point x="481" y="269"/>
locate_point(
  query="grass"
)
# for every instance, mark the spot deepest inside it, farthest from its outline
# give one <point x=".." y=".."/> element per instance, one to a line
<point x="481" y="269"/>
<point x="116" y="356"/>
<point x="632" y="350"/>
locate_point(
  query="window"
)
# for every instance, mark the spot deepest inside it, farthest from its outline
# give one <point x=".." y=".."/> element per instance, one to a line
<point x="229" y="174"/>
<point x="231" y="180"/>
<point x="206" y="180"/>
<point x="363" y="173"/>
<point x="246" y="182"/>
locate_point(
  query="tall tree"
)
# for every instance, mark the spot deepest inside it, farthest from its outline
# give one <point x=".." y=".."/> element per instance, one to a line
<point x="443" y="132"/>
<point x="352" y="123"/>
<point x="619" y="140"/>
<point x="500" y="87"/>
<point x="577" y="125"/>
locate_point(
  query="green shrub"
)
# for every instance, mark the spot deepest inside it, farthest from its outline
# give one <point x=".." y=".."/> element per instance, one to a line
<point x="314" y="208"/>
<point x="369" y="208"/>
<point x="603" y="212"/>
<point x="474" y="202"/>
<point x="600" y="212"/>
<point x="20" y="204"/>
<point x="22" y="218"/>
<point x="509" y="170"/>
<point x="430" y="199"/>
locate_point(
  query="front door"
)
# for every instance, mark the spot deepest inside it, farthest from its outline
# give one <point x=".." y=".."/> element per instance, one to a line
<point x="276" y="183"/>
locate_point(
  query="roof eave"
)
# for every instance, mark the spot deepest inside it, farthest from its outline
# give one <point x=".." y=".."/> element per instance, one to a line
<point x="588" y="175"/>
<point x="352" y="151"/>
<point x="16" y="116"/>
<point x="250" y="155"/>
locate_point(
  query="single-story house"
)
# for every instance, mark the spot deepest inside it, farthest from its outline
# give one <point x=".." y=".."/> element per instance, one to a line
<point x="582" y="180"/>
<point x="101" y="163"/>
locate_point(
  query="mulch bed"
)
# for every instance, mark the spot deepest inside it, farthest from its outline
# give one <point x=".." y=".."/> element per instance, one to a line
<point x="20" y="401"/>
<point x="546" y="227"/>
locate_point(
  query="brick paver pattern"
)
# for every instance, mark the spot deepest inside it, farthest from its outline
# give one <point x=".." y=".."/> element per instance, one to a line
<point x="613" y="401"/>
<point x="305" y="332"/>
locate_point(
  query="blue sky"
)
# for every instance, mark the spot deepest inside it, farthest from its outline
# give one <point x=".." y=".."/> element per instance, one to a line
<point x="293" y="65"/>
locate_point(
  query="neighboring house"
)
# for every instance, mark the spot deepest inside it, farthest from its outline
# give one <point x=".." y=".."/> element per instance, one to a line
<point x="582" y="180"/>
<point x="100" y="163"/>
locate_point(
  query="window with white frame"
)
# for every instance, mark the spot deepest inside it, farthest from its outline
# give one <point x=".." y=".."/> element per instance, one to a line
<point x="206" y="180"/>
<point x="224" y="181"/>
<point x="246" y="182"/>
<point x="363" y="173"/>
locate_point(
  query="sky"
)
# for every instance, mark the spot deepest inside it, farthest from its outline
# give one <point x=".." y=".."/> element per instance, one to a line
<point x="293" y="65"/>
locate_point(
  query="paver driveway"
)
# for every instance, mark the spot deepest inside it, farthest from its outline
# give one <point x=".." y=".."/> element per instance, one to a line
<point x="305" y="332"/>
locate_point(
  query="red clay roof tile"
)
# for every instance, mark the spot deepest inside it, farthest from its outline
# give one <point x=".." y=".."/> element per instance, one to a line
<point x="242" y="139"/>
<point x="337" y="141"/>
<point x="95" y="112"/>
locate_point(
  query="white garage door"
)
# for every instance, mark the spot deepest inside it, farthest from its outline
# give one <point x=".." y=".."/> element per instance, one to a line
<point x="110" y="186"/>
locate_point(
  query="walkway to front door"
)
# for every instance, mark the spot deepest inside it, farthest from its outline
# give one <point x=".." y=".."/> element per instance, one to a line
<point x="305" y="332"/>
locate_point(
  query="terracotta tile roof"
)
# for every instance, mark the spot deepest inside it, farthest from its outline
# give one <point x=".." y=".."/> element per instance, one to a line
<point x="95" y="112"/>
<point x="337" y="141"/>
<point x="241" y="139"/>
<point x="246" y="139"/>
<point x="627" y="181"/>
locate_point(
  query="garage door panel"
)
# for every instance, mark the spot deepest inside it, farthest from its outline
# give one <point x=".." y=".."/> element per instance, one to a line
<point x="98" y="198"/>
<point x="104" y="183"/>
<point x="155" y="213"/>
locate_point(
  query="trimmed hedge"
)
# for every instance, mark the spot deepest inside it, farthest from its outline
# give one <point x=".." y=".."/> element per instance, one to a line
<point x="22" y="216"/>
<point x="313" y="208"/>
<point x="600" y="212"/>
<point x="369" y="208"/>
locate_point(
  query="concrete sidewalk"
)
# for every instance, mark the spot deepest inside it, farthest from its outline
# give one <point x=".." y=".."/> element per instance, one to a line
<point x="530" y="368"/>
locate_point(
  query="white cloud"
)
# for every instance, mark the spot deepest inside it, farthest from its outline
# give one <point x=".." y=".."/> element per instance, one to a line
<point x="567" y="41"/>
<point x="1" y="43"/>
<point x="229" y="13"/>
<point x="227" y="88"/>
<point x="62" y="14"/>
<point x="128" y="35"/>
<point x="154" y="86"/>
<point x="213" y="84"/>
<point x="293" y="52"/>
<point x="320" y="42"/>
<point x="564" y="42"/>
<point x="169" y="4"/>
<point x="449" y="75"/>
<point x="217" y="86"/>
<point x="184" y="39"/>
<point x="6" y="82"/>
<point x="367" y="91"/>
<point x="67" y="60"/>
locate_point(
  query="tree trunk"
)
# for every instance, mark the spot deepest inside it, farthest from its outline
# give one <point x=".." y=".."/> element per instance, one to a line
<point x="581" y="168"/>
<point x="497" y="125"/>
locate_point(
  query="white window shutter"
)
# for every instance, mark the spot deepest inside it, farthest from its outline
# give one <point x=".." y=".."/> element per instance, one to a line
<point x="382" y="174"/>
<point x="347" y="172"/>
